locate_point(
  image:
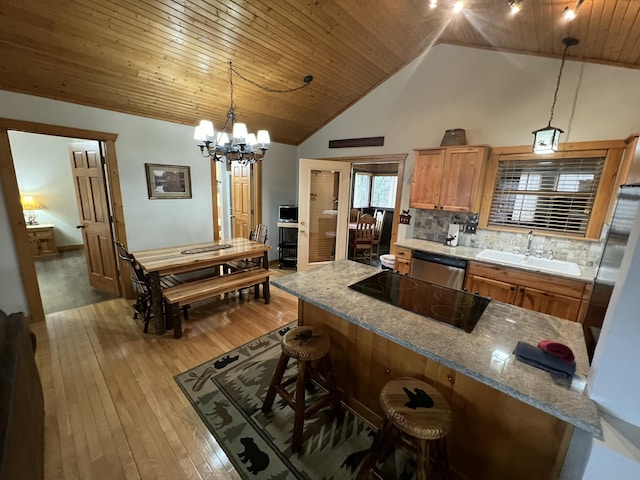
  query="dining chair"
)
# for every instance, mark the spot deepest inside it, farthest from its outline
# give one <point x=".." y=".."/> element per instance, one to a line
<point x="259" y="234"/>
<point x="362" y="241"/>
<point x="354" y="214"/>
<point x="377" y="233"/>
<point x="142" y="288"/>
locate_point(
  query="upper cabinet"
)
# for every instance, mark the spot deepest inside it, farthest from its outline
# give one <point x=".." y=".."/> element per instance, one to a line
<point x="448" y="178"/>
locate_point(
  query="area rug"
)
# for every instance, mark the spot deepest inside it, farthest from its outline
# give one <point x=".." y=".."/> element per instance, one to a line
<point x="227" y="392"/>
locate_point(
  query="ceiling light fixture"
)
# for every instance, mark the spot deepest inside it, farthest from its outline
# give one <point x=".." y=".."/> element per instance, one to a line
<point x="514" y="6"/>
<point x="546" y="139"/>
<point x="458" y="6"/>
<point x="241" y="146"/>
<point x="570" y="13"/>
<point x="433" y="4"/>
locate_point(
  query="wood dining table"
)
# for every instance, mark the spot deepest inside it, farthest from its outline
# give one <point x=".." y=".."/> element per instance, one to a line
<point x="158" y="262"/>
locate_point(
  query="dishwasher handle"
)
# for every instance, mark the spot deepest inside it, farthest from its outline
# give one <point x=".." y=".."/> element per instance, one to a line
<point x="440" y="259"/>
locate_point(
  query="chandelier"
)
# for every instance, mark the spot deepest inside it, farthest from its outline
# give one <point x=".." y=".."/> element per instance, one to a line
<point x="239" y="145"/>
<point x="546" y="139"/>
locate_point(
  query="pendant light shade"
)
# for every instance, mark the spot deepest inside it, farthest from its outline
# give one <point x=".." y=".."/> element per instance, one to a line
<point x="545" y="140"/>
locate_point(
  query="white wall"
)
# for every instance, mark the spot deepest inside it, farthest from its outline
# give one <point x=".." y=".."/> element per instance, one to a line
<point x="279" y="187"/>
<point x="43" y="169"/>
<point x="149" y="223"/>
<point x="12" y="296"/>
<point x="498" y="98"/>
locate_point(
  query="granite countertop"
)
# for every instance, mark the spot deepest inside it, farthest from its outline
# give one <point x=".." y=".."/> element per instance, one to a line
<point x="485" y="354"/>
<point x="587" y="274"/>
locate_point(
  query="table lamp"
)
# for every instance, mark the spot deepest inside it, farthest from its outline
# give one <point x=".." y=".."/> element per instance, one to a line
<point x="29" y="205"/>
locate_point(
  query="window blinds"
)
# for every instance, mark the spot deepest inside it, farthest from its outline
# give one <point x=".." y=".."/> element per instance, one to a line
<point x="554" y="195"/>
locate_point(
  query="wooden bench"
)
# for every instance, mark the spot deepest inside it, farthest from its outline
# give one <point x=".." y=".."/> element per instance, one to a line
<point x="180" y="295"/>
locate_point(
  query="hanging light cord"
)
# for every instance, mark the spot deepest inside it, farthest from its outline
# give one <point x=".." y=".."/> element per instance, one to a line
<point x="568" y="42"/>
<point x="307" y="81"/>
<point x="555" y="95"/>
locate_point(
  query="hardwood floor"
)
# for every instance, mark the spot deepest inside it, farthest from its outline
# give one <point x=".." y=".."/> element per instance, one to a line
<point x="112" y="407"/>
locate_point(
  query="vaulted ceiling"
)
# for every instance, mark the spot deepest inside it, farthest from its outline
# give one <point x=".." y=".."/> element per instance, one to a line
<point x="168" y="59"/>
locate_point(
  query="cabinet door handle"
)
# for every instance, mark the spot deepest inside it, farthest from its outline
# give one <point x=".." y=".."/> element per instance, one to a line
<point x="522" y="289"/>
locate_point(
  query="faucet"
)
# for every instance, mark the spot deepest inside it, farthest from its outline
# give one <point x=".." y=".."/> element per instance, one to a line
<point x="529" y="239"/>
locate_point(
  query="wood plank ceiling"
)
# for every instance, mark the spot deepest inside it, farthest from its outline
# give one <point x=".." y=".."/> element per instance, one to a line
<point x="168" y="59"/>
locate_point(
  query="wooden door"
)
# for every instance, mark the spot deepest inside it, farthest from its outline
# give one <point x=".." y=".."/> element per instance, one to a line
<point x="427" y="179"/>
<point x="551" y="303"/>
<point x="461" y="179"/>
<point x="497" y="290"/>
<point x="87" y="167"/>
<point x="241" y="200"/>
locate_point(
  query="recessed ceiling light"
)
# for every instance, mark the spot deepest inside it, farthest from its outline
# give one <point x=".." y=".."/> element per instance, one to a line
<point x="458" y="6"/>
<point x="514" y="6"/>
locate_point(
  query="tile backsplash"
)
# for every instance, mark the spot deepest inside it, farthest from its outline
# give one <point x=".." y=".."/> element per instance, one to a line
<point x="432" y="225"/>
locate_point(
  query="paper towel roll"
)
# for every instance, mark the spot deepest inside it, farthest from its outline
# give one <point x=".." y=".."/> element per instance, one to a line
<point x="452" y="234"/>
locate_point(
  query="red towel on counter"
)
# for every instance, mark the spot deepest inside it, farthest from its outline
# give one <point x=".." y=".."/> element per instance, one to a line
<point x="557" y="350"/>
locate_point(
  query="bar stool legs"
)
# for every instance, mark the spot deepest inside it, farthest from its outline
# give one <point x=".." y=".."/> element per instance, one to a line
<point x="306" y="345"/>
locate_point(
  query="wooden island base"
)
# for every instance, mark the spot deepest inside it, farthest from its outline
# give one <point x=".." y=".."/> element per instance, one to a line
<point x="493" y="436"/>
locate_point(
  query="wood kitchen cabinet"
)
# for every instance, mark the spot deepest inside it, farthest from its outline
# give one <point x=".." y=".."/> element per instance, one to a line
<point x="402" y="263"/>
<point x="448" y="178"/>
<point x="560" y="297"/>
<point x="42" y="240"/>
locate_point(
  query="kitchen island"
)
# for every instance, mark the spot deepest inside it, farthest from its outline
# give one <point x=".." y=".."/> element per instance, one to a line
<point x="510" y="420"/>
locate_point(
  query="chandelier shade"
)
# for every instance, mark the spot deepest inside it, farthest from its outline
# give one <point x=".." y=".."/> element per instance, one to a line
<point x="239" y="145"/>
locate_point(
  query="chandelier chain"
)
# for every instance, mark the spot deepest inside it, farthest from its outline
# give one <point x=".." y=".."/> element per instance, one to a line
<point x="264" y="87"/>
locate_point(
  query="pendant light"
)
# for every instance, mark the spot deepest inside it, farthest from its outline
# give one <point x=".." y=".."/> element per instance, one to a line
<point x="546" y="139"/>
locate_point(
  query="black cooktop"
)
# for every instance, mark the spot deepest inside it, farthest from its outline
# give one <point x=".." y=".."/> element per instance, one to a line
<point x="455" y="307"/>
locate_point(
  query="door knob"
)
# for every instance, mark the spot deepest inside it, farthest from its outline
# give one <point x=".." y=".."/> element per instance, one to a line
<point x="79" y="226"/>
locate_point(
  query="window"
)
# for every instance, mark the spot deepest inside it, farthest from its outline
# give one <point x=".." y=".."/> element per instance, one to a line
<point x="556" y="195"/>
<point x="383" y="192"/>
<point x="374" y="190"/>
<point x="361" y="190"/>
<point x="569" y="193"/>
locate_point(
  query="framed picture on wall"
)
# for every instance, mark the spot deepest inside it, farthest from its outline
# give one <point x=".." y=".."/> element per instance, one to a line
<point x="168" y="181"/>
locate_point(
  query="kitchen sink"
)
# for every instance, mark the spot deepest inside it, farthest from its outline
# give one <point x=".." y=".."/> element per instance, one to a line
<point x="532" y="263"/>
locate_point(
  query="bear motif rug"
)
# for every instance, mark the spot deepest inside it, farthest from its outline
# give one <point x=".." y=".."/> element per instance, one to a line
<point x="228" y="391"/>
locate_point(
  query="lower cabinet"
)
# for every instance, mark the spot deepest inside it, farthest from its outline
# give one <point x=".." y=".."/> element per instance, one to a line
<point x="560" y="297"/>
<point x="402" y="263"/>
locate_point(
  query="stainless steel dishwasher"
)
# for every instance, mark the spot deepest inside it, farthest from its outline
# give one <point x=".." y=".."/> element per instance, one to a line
<point x="439" y="269"/>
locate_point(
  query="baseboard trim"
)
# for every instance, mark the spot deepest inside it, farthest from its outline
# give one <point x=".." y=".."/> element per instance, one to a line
<point x="70" y="247"/>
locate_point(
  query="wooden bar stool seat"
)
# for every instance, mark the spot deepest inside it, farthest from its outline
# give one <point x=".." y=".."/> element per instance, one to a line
<point x="417" y="416"/>
<point x="309" y="346"/>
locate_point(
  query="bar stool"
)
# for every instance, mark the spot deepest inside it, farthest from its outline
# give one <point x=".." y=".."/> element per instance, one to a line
<point x="417" y="416"/>
<point x="306" y="345"/>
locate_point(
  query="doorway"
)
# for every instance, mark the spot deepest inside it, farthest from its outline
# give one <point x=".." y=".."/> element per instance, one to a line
<point x="11" y="192"/>
<point x="61" y="268"/>
<point x="374" y="187"/>
<point x="335" y="201"/>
